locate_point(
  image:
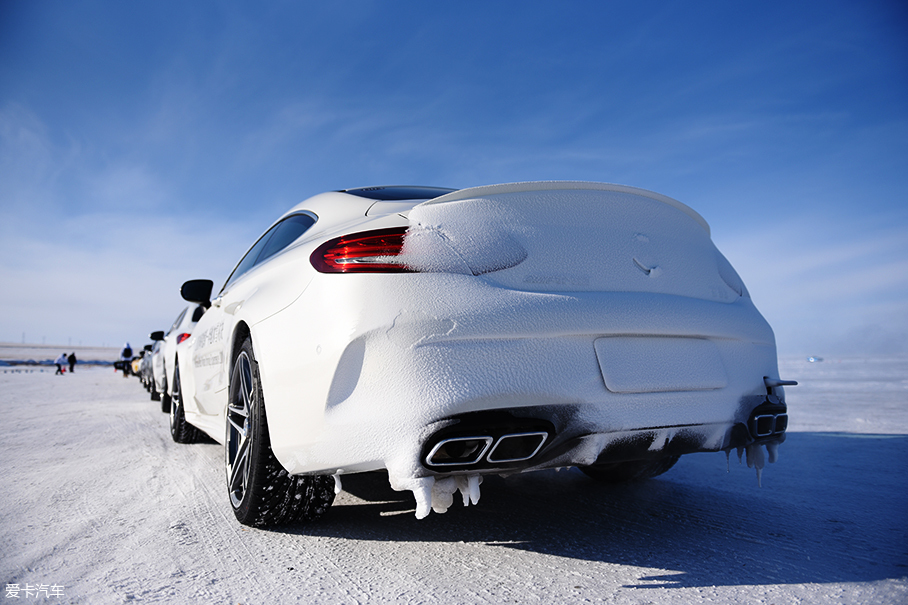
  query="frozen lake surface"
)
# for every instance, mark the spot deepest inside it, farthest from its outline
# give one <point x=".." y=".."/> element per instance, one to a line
<point x="99" y="502"/>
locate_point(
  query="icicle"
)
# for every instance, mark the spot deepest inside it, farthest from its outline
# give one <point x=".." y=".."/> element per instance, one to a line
<point x="773" y="450"/>
<point x="438" y="496"/>
<point x="728" y="460"/>
<point x="421" y="488"/>
<point x="463" y="484"/>
<point x="475" y="480"/>
<point x="756" y="459"/>
<point x="740" y="453"/>
<point x="338" y="487"/>
<point x="422" y="491"/>
<point x="443" y="494"/>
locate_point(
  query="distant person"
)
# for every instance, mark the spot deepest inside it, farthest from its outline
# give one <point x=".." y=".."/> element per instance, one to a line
<point x="60" y="362"/>
<point x="125" y="358"/>
<point x="72" y="362"/>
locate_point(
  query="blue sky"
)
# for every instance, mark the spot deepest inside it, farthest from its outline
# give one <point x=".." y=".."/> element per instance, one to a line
<point x="146" y="143"/>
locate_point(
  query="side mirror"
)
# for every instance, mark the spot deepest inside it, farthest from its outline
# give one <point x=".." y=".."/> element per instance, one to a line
<point x="147" y="348"/>
<point x="198" y="291"/>
<point x="159" y="335"/>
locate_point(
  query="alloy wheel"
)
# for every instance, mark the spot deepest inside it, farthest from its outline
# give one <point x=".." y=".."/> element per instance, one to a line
<point x="240" y="435"/>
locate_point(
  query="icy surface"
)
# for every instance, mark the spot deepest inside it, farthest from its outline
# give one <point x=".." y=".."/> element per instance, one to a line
<point x="99" y="500"/>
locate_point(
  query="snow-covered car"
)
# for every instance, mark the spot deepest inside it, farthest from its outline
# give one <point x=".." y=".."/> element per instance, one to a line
<point x="163" y="363"/>
<point x="443" y="335"/>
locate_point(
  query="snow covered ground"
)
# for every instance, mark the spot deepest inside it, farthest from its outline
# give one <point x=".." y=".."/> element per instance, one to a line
<point x="98" y="502"/>
<point x="48" y="353"/>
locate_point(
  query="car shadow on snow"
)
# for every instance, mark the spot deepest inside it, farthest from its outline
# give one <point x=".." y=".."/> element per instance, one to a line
<point x="831" y="510"/>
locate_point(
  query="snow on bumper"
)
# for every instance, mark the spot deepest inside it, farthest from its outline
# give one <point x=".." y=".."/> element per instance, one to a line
<point x="365" y="389"/>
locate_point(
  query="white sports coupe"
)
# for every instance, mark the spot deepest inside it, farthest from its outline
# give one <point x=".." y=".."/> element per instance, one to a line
<point x="164" y="360"/>
<point x="443" y="335"/>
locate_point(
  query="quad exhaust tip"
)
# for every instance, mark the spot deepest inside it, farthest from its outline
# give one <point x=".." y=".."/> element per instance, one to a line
<point x="768" y="424"/>
<point x="459" y="451"/>
<point x="769" y="418"/>
<point x="467" y="451"/>
<point x="517" y="447"/>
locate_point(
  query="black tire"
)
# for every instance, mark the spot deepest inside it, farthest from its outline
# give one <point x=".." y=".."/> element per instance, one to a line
<point x="165" y="398"/>
<point x="631" y="470"/>
<point x="261" y="491"/>
<point x="153" y="390"/>
<point x="180" y="430"/>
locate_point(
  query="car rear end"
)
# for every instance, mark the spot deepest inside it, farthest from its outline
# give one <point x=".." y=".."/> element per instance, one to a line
<point x="524" y="326"/>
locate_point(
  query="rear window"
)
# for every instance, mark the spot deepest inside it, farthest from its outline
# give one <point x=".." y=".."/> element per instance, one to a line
<point x="177" y="321"/>
<point x="287" y="232"/>
<point x="275" y="239"/>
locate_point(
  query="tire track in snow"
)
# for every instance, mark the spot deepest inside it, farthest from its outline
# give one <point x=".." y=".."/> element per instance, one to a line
<point x="262" y="574"/>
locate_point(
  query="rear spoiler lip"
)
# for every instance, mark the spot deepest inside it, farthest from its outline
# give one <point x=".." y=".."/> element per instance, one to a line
<point x="528" y="186"/>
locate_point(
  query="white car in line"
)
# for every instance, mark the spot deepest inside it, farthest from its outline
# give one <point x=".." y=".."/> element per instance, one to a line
<point x="158" y="382"/>
<point x="444" y="335"/>
<point x="164" y="359"/>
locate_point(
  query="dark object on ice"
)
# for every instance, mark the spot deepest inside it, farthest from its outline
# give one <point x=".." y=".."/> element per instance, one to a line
<point x="814" y="359"/>
<point x="72" y="362"/>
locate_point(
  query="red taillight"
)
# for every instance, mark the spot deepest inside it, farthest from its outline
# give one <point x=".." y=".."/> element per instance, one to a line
<point x="365" y="252"/>
<point x="182" y="337"/>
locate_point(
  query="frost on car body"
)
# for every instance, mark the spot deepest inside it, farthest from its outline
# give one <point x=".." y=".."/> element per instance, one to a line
<point x="493" y="330"/>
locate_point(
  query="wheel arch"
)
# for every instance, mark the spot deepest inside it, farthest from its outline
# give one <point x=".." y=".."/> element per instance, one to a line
<point x="240" y="332"/>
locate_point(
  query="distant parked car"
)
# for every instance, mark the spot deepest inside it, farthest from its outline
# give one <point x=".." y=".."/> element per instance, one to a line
<point x="136" y="364"/>
<point x="443" y="335"/>
<point x="158" y="380"/>
<point x="163" y="362"/>
<point x="145" y="371"/>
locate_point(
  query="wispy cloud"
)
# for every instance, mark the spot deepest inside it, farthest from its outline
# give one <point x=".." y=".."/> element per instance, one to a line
<point x="106" y="277"/>
<point x="87" y="250"/>
<point x="131" y="161"/>
<point x="817" y="280"/>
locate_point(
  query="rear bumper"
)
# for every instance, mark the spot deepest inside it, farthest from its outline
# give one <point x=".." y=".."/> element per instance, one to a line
<point x="372" y="388"/>
<point x="520" y="439"/>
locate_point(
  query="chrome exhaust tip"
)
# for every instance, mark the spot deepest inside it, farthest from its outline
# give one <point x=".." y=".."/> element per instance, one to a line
<point x="768" y="419"/>
<point x="459" y="451"/>
<point x="517" y="447"/>
<point x="485" y="441"/>
<point x="769" y="424"/>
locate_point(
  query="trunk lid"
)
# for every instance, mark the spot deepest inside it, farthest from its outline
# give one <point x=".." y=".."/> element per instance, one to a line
<point x="567" y="236"/>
